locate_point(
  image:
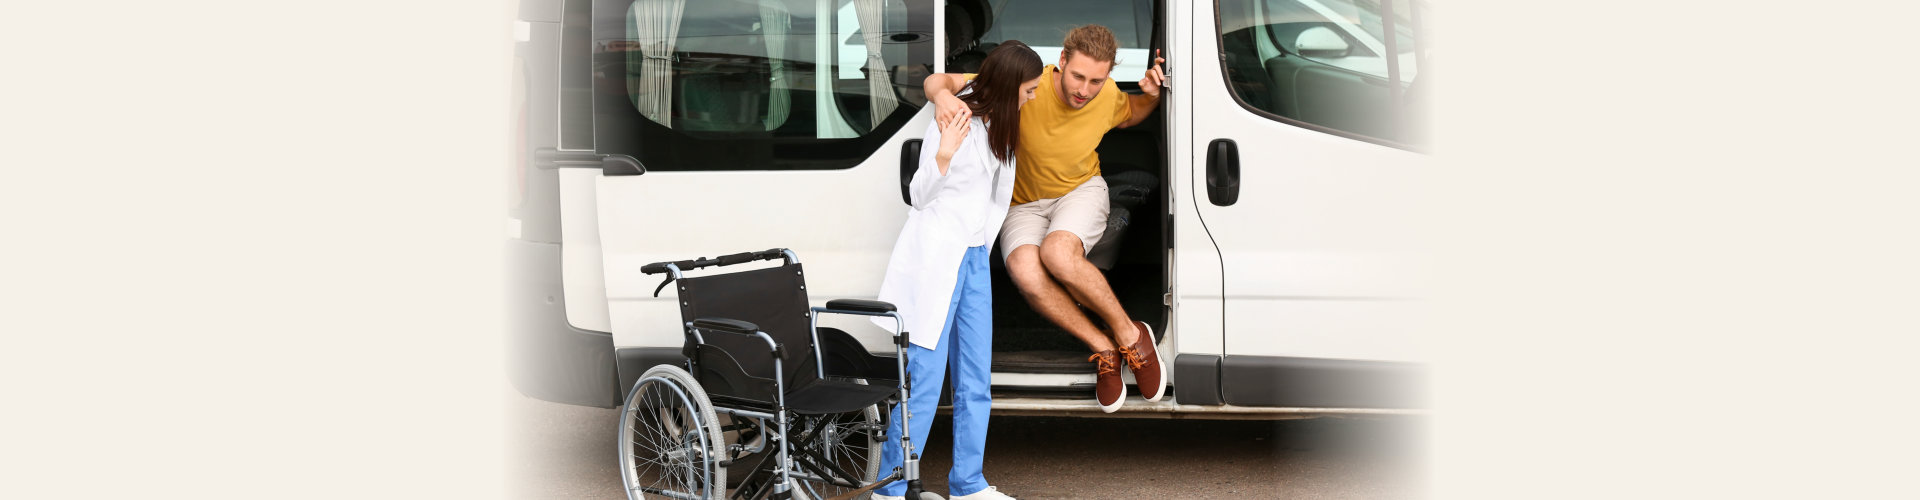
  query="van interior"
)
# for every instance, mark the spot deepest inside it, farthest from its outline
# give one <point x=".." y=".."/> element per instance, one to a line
<point x="1133" y="160"/>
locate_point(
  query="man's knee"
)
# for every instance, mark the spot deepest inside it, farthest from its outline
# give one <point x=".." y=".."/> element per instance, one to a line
<point x="1023" y="265"/>
<point x="1062" y="249"/>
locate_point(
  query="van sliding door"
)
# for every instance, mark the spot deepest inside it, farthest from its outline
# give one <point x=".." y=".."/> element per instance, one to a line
<point x="759" y="124"/>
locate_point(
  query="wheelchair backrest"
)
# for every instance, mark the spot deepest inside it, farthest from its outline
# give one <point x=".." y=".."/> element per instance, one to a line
<point x="774" y="298"/>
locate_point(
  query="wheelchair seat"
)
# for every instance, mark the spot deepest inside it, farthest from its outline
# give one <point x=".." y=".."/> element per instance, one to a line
<point x="829" y="396"/>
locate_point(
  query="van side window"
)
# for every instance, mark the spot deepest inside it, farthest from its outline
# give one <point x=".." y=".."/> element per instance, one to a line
<point x="1044" y="24"/>
<point x="1326" y="63"/>
<point x="756" y="84"/>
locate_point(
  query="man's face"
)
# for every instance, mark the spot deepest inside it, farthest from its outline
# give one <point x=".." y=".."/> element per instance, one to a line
<point x="1080" y="79"/>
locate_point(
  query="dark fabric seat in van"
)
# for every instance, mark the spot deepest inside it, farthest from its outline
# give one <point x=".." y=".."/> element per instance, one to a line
<point x="1126" y="190"/>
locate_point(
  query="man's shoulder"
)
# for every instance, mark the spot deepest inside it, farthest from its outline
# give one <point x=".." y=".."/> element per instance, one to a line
<point x="1112" y="88"/>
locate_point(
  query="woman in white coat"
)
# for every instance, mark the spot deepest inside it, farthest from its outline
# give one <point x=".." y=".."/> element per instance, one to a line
<point x="937" y="276"/>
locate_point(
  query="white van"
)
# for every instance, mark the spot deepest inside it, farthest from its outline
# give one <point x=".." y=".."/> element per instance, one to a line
<point x="1263" y="220"/>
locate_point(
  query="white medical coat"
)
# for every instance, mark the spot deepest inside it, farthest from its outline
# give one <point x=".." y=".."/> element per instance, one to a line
<point x="964" y="208"/>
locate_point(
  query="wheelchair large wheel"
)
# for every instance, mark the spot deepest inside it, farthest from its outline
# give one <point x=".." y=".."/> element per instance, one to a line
<point x="844" y="446"/>
<point x="670" y="440"/>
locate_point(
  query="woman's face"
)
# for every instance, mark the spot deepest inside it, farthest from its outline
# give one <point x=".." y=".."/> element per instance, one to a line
<point x="1027" y="90"/>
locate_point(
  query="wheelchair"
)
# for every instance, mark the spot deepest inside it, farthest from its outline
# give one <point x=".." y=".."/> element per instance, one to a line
<point x="790" y="410"/>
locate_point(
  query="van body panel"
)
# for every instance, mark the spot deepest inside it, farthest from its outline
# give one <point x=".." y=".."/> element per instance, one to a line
<point x="1199" y="310"/>
<point x="1200" y="379"/>
<point x="548" y="358"/>
<point x="1321" y="383"/>
<point x="1317" y="253"/>
<point x="549" y="355"/>
<point x="662" y="216"/>
<point x="547" y="11"/>
<point x="533" y="212"/>
<point x="582" y="264"/>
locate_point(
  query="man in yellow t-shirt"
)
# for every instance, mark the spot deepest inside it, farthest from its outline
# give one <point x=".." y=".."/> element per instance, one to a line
<point x="1060" y="203"/>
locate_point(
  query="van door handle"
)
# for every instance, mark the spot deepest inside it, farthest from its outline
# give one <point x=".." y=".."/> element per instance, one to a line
<point x="909" y="163"/>
<point x="609" y="164"/>
<point x="1223" y="172"/>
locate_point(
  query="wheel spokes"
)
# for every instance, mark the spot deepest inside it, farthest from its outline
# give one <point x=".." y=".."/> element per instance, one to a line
<point x="668" y="443"/>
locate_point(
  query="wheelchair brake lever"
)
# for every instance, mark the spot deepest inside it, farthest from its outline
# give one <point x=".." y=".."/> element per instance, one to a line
<point x="663" y="285"/>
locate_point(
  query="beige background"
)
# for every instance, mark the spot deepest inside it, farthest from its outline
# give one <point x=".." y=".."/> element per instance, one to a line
<point x="252" y="249"/>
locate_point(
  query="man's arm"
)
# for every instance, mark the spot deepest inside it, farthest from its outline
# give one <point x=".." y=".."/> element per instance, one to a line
<point x="940" y="88"/>
<point x="1142" y="105"/>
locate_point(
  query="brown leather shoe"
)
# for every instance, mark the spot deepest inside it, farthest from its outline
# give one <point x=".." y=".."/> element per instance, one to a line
<point x="1144" y="360"/>
<point x="1108" y="389"/>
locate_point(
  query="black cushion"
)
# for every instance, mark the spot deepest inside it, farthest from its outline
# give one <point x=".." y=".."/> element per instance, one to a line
<point x="826" y="396"/>
<point x="857" y="305"/>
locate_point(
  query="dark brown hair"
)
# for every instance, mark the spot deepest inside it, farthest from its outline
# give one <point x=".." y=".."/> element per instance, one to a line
<point x="996" y="93"/>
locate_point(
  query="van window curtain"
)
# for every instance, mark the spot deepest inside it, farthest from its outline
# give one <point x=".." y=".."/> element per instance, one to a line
<point x="879" y="83"/>
<point x="775" y="22"/>
<point x="654" y="25"/>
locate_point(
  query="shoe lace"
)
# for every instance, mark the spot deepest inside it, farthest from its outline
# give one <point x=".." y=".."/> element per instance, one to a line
<point x="1105" y="364"/>
<point x="1134" y="359"/>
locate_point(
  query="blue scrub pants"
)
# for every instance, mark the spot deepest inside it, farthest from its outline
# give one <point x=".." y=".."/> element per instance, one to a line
<point x="966" y="346"/>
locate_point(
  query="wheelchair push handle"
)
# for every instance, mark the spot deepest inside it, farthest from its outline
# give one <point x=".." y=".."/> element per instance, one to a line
<point x="724" y="260"/>
<point x="673" y="268"/>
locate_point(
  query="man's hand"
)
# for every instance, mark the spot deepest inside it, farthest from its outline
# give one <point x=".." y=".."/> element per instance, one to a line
<point x="947" y="107"/>
<point x="1150" y="86"/>
<point x="1150" y="83"/>
<point x="940" y="88"/>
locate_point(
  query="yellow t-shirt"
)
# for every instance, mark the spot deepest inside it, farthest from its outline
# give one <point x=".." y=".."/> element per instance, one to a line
<point x="1056" y="153"/>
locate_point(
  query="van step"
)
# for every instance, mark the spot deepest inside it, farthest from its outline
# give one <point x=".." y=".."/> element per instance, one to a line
<point x="1042" y="362"/>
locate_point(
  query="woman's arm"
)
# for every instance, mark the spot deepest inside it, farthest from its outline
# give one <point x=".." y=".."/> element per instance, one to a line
<point x="952" y="132"/>
<point x="948" y="135"/>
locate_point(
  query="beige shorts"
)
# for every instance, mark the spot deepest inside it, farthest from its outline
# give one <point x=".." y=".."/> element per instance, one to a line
<point x="1082" y="212"/>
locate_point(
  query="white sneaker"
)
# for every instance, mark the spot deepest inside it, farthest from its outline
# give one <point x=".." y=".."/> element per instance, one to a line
<point x="991" y="493"/>
<point x="924" y="495"/>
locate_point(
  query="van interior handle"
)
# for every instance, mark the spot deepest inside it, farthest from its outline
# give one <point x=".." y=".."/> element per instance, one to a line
<point x="909" y="163"/>
<point x="1223" y="172"/>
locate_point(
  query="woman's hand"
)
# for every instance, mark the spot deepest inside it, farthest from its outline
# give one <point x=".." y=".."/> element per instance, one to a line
<point x="952" y="132"/>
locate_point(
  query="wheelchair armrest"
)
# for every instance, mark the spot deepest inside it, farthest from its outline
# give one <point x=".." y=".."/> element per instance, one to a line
<point x="737" y="327"/>
<point x="861" y="306"/>
<point x="865" y="308"/>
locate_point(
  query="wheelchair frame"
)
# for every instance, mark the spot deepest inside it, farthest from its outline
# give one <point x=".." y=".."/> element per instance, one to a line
<point x="690" y="444"/>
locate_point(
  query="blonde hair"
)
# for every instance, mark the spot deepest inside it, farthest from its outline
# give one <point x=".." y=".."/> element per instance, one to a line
<point x="1091" y="40"/>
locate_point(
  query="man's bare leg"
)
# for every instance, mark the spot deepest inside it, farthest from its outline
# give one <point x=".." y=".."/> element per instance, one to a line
<point x="1051" y="300"/>
<point x="1065" y="260"/>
